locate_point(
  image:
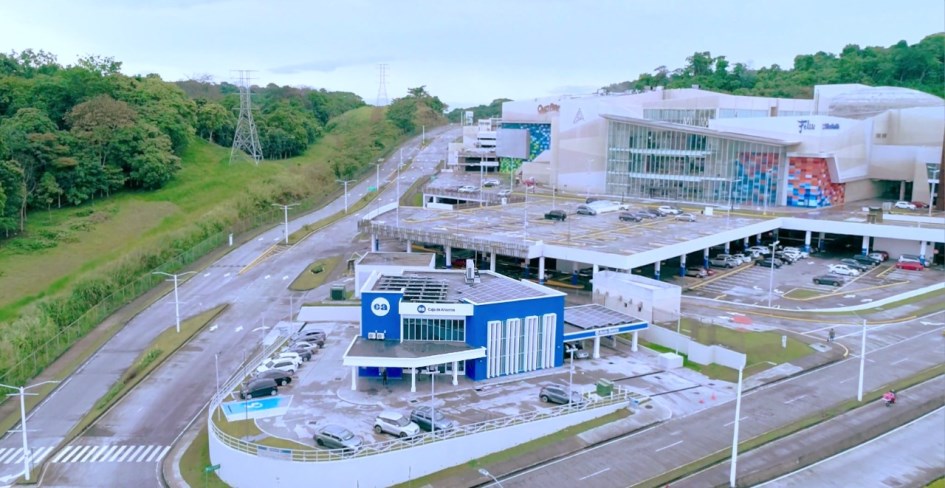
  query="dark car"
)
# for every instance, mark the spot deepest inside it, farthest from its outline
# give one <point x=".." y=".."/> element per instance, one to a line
<point x="559" y="215"/>
<point x="653" y="213"/>
<point x="866" y="260"/>
<point x="559" y="394"/>
<point x="629" y="217"/>
<point x="282" y="378"/>
<point x="853" y="263"/>
<point x="314" y="336"/>
<point x="423" y="417"/>
<point x="832" y="280"/>
<point x="768" y="262"/>
<point x="259" y="387"/>
<point x="305" y="352"/>
<point x="337" y="437"/>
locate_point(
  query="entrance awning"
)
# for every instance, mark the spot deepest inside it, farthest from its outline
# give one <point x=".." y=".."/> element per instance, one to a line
<point x="589" y="321"/>
<point x="408" y="354"/>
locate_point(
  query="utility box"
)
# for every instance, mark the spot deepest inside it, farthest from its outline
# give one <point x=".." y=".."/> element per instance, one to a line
<point x="605" y="387"/>
<point x="338" y="293"/>
<point x="875" y="216"/>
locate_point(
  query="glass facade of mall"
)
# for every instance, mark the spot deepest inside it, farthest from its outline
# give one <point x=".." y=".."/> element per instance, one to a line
<point x="673" y="162"/>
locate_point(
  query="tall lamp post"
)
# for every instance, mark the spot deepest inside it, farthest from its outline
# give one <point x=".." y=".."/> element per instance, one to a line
<point x="431" y="370"/>
<point x="27" y="455"/>
<point x="346" y="192"/>
<point x="377" y="176"/>
<point x="571" y="377"/>
<point x="285" y="209"/>
<point x="774" y="245"/>
<point x="738" y="409"/>
<point x="175" y="278"/>
<point x="859" y="390"/>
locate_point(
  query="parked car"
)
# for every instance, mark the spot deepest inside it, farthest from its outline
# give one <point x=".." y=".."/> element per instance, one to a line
<point x="910" y="265"/>
<point x="424" y="418"/>
<point x="304" y="353"/>
<point x="866" y="260"/>
<point x="668" y="210"/>
<point x="291" y="355"/>
<point x="559" y="394"/>
<point x="769" y="262"/>
<point x="786" y="258"/>
<point x="743" y="258"/>
<point x="724" y="262"/>
<point x="919" y="204"/>
<point x="558" y="214"/>
<point x="910" y="258"/>
<point x="312" y="336"/>
<point x="490" y="183"/>
<point x="843" y="270"/>
<point x="579" y="353"/>
<point x="281" y="377"/>
<point x="697" y="272"/>
<point x="832" y="280"/>
<point x="686" y="217"/>
<point x="259" y="387"/>
<point x="303" y="345"/>
<point x="884" y="253"/>
<point x="585" y="210"/>
<point x="904" y="205"/>
<point x="629" y="217"/>
<point x="651" y="212"/>
<point x="504" y="192"/>
<point x="645" y="215"/>
<point x="853" y="263"/>
<point x="395" y="423"/>
<point x="284" y="364"/>
<point x="878" y="256"/>
<point x="800" y="253"/>
<point x="337" y="437"/>
<point x="763" y="250"/>
<point x="467" y="189"/>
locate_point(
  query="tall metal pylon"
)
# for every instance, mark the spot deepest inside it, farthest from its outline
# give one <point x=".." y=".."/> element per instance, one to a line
<point x="246" y="138"/>
<point x="382" y="87"/>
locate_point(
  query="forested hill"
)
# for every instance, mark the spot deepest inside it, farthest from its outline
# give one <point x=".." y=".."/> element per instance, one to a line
<point x="920" y="66"/>
<point x="72" y="133"/>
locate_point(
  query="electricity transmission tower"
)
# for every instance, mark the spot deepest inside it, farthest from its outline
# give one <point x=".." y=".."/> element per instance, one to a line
<point x="382" y="86"/>
<point x="246" y="138"/>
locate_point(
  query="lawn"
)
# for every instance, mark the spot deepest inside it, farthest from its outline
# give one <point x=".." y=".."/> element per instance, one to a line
<point x="315" y="274"/>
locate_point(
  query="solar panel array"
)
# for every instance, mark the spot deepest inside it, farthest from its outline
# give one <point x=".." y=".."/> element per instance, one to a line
<point x="594" y="316"/>
<point x="494" y="289"/>
<point x="416" y="288"/>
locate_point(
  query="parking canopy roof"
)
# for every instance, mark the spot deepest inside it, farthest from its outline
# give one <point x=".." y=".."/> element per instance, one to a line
<point x="593" y="320"/>
<point x="408" y="354"/>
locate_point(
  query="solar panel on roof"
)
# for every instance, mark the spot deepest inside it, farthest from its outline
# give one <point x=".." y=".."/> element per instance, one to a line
<point x="594" y="316"/>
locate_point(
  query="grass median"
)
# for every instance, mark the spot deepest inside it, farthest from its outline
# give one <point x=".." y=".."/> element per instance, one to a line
<point x="315" y="274"/>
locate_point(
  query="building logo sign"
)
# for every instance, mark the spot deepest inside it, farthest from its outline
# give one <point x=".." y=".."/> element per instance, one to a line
<point x="440" y="309"/>
<point x="803" y="125"/>
<point x="607" y="332"/>
<point x="380" y="306"/>
<point x="421" y="308"/>
<point x="827" y="126"/>
<point x="551" y="107"/>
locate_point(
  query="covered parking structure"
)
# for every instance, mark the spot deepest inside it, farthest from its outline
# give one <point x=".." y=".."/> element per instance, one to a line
<point x="595" y="321"/>
<point x="397" y="357"/>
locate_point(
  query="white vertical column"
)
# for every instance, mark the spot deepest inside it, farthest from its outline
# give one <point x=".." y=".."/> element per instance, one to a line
<point x="596" y="348"/>
<point x="807" y="241"/>
<point x="492" y="261"/>
<point x="541" y="270"/>
<point x="409" y="246"/>
<point x="354" y="378"/>
<point x="866" y="245"/>
<point x="413" y="380"/>
<point x="596" y="269"/>
<point x="449" y="256"/>
<point x="633" y="346"/>
<point x="922" y="252"/>
<point x="728" y="247"/>
<point x="374" y="242"/>
<point x="656" y="270"/>
<point x="682" y="265"/>
<point x="455" y="373"/>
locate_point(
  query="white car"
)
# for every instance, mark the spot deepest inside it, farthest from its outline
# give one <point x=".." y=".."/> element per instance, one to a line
<point x="843" y="270"/>
<point x="793" y="250"/>
<point x="504" y="192"/>
<point x="760" y="249"/>
<point x="741" y="257"/>
<point x="395" y="424"/>
<point x="282" y="364"/>
<point x="490" y="183"/>
<point x="904" y="205"/>
<point x="290" y="355"/>
<point x="467" y="189"/>
<point x="668" y="210"/>
<point x="686" y="217"/>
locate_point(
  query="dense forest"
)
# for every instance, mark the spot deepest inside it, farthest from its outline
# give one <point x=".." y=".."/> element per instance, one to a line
<point x="73" y="133"/>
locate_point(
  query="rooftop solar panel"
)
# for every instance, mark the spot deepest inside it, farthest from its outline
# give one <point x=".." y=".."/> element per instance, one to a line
<point x="594" y="316"/>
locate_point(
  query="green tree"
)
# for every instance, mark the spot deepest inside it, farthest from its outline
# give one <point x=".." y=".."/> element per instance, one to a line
<point x="215" y="120"/>
<point x="97" y="121"/>
<point x="401" y="113"/>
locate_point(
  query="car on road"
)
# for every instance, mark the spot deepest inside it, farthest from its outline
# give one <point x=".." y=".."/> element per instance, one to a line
<point x="769" y="262"/>
<point x="697" y="272"/>
<point x="284" y="364"/>
<point x="904" y="205"/>
<point x="853" y="263"/>
<point x="559" y="394"/>
<point x="686" y="217"/>
<point x="427" y="419"/>
<point x="724" y="262"/>
<point x="504" y="192"/>
<point x="585" y="210"/>
<point x="396" y="424"/>
<point x="467" y="189"/>
<point x="629" y="217"/>
<point x="259" y="387"/>
<point x="668" y="210"/>
<point x="337" y="437"/>
<point x="282" y="378"/>
<point x="559" y="215"/>
<point x="760" y="249"/>
<point x="832" y="280"/>
<point x="910" y="265"/>
<point x="579" y="353"/>
<point x="843" y="270"/>
<point x="490" y="183"/>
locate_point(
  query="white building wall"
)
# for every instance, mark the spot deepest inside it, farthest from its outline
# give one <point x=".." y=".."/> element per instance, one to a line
<point x="644" y="298"/>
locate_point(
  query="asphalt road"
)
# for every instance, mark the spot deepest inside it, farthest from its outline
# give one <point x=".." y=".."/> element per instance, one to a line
<point x="638" y="458"/>
<point x="128" y="442"/>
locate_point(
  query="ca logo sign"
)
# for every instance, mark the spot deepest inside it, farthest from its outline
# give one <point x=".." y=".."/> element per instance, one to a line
<point x="380" y="306"/>
<point x="421" y="308"/>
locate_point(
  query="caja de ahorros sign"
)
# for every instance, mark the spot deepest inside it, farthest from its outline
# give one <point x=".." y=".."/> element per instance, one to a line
<point x="449" y="309"/>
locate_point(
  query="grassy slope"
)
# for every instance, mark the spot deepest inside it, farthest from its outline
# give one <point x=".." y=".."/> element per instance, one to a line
<point x="207" y="184"/>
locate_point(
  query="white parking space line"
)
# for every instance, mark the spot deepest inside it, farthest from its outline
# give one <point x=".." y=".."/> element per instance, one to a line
<point x="667" y="447"/>
<point x="117" y="453"/>
<point x="899" y="361"/>
<point x="129" y="451"/>
<point x="143" y="454"/>
<point x="88" y="455"/>
<point x="105" y="453"/>
<point x="594" y="474"/>
<point x="4" y="458"/>
<point x="732" y="422"/>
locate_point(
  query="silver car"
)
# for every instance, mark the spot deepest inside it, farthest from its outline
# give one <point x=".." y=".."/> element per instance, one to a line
<point x="337" y="437"/>
<point x="395" y="423"/>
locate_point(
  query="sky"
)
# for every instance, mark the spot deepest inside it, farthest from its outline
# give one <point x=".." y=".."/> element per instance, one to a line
<point x="466" y="53"/>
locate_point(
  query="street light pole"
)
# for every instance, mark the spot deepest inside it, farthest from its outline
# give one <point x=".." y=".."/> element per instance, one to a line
<point x="21" y="392"/>
<point x="377" y="180"/>
<point x="216" y="364"/>
<point x="571" y="377"/>
<point x="771" y="278"/>
<point x="433" y="402"/>
<point x="859" y="390"/>
<point x="738" y="409"/>
<point x="346" y="192"/>
<point x="175" y="277"/>
<point x="285" y="209"/>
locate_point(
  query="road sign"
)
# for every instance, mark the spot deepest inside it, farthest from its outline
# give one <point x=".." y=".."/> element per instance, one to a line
<point x="211" y="468"/>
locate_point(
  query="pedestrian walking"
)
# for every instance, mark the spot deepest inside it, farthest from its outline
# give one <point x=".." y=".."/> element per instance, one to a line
<point x="831" y="335"/>
<point x="384" y="376"/>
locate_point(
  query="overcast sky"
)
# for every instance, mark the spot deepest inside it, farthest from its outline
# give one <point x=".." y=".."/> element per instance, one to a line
<point x="467" y="53"/>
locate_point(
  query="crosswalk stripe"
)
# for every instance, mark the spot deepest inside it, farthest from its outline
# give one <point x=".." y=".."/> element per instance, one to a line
<point x="76" y="453"/>
<point x="98" y="455"/>
<point x="36" y="455"/>
<point x="117" y="453"/>
<point x="62" y="453"/>
<point x="41" y="453"/>
<point x="90" y="454"/>
<point x="159" y="453"/>
<point x="143" y="454"/>
<point x="10" y="455"/>
<point x="3" y="453"/>
<point x="129" y="451"/>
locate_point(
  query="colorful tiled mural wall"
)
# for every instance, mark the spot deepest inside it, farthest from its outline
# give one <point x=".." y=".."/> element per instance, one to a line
<point x="809" y="184"/>
<point x="752" y="182"/>
<point x="539" y="136"/>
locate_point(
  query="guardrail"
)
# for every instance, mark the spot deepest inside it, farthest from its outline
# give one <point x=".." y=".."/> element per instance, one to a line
<point x="619" y="395"/>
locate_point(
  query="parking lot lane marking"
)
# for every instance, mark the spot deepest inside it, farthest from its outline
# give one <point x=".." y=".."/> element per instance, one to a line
<point x="899" y="361"/>
<point x="115" y="455"/>
<point x="105" y="454"/>
<point x="160" y="454"/>
<point x="732" y="422"/>
<point x="11" y="455"/>
<point x="796" y="399"/>
<point x="142" y="456"/>
<point x="594" y="474"/>
<point x="667" y="447"/>
<point x="129" y="451"/>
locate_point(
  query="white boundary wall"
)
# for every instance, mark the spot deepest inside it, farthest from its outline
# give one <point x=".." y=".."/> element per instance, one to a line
<point x="243" y="470"/>
<point x="698" y="353"/>
<point x="329" y="314"/>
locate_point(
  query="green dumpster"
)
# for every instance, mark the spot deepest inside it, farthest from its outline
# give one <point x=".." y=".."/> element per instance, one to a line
<point x="605" y="387"/>
<point x="337" y="293"/>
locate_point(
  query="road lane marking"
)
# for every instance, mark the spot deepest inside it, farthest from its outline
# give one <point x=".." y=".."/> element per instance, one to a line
<point x="732" y="422"/>
<point x="844" y="381"/>
<point x="795" y="399"/>
<point x="899" y="361"/>
<point x="667" y="447"/>
<point x="117" y="453"/>
<point x="594" y="474"/>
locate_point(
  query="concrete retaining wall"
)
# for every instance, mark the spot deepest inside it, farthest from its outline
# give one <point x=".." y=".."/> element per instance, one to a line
<point x="239" y="469"/>
<point x="329" y="314"/>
